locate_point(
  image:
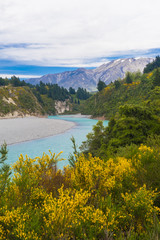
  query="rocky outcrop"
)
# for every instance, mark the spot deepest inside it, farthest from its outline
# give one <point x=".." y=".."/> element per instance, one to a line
<point x="62" y="107"/>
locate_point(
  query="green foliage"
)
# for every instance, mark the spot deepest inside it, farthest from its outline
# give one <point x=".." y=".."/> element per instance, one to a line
<point x="135" y="111"/>
<point x="128" y="78"/>
<point x="133" y="125"/>
<point x="94" y="140"/>
<point x="27" y="101"/>
<point x="117" y="84"/>
<point x="2" y="82"/>
<point x="72" y="90"/>
<point x="107" y="102"/>
<point x="73" y="157"/>
<point x="41" y="88"/>
<point x="3" y="152"/>
<point x="82" y="94"/>
<point x="101" y="85"/>
<point x="153" y="65"/>
<point x="19" y="99"/>
<point x="37" y="95"/>
<point x="156" y="78"/>
<point x="4" y="169"/>
<point x="48" y="105"/>
<point x="52" y="91"/>
<point x="15" y="81"/>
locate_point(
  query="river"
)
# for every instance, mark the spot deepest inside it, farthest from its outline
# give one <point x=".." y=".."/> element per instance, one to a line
<point x="56" y="143"/>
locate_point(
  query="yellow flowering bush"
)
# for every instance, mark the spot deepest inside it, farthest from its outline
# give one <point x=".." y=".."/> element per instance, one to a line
<point x="144" y="149"/>
<point x="131" y="84"/>
<point x="70" y="215"/>
<point x="149" y="75"/>
<point x="138" y="210"/>
<point x="13" y="225"/>
<point x="33" y="173"/>
<point x="92" y="173"/>
<point x="95" y="199"/>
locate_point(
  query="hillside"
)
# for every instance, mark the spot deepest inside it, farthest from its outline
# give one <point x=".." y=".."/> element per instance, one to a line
<point x="18" y="98"/>
<point x="18" y="101"/>
<point x="88" y="78"/>
<point x="142" y="91"/>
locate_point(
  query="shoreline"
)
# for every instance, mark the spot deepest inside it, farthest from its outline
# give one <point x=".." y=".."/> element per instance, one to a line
<point x="17" y="130"/>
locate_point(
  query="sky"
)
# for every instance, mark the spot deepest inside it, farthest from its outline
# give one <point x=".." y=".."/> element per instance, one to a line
<point x="37" y="36"/>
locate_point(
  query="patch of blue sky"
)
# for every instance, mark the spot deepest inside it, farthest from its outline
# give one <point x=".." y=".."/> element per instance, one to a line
<point x="153" y="52"/>
<point x="14" y="67"/>
<point x="15" y="45"/>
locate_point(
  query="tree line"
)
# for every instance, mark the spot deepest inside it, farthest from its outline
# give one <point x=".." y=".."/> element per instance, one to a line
<point x="53" y="91"/>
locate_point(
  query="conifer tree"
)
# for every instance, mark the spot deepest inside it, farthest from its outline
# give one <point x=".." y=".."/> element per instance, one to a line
<point x="156" y="79"/>
<point x="128" y="78"/>
<point x="117" y="84"/>
<point x="4" y="169"/>
<point x="101" y="85"/>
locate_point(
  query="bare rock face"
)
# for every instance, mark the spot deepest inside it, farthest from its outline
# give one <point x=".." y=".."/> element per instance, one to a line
<point x="88" y="78"/>
<point x="61" y="107"/>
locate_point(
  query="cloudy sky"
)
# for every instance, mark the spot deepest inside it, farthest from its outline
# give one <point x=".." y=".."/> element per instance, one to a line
<point x="77" y="33"/>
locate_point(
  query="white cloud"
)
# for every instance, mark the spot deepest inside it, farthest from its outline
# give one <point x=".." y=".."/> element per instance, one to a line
<point x="71" y="32"/>
<point x="21" y="76"/>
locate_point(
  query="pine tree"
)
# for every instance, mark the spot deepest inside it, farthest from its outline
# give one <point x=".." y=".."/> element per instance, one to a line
<point x="156" y="79"/>
<point x="128" y="78"/>
<point x="117" y="84"/>
<point x="101" y="85"/>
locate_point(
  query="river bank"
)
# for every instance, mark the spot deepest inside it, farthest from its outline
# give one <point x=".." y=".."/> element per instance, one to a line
<point x="16" y="130"/>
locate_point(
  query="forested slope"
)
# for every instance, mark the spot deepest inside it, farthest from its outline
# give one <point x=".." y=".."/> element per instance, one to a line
<point x="18" y="98"/>
<point x="137" y="89"/>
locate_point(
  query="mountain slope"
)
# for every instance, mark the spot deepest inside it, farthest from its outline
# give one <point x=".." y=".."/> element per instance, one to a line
<point x="117" y="69"/>
<point x="79" y="78"/>
<point x="142" y="91"/>
<point x="88" y="78"/>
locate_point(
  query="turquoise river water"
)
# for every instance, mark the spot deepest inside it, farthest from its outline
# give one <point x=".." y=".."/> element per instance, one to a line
<point x="56" y="143"/>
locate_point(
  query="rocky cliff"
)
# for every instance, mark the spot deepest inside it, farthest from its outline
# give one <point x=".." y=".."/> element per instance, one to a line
<point x="62" y="107"/>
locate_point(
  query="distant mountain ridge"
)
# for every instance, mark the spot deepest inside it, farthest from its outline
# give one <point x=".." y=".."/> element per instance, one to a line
<point x="88" y="78"/>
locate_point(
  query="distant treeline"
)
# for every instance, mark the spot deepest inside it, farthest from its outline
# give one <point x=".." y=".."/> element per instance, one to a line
<point x="51" y="90"/>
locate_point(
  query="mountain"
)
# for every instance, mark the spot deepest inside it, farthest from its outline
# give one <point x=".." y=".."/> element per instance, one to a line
<point x="78" y="78"/>
<point x="88" y="78"/>
<point x="116" y="69"/>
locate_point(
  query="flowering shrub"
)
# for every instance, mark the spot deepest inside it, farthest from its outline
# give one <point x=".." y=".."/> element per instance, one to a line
<point x="95" y="199"/>
<point x="92" y="173"/>
<point x="131" y="84"/>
